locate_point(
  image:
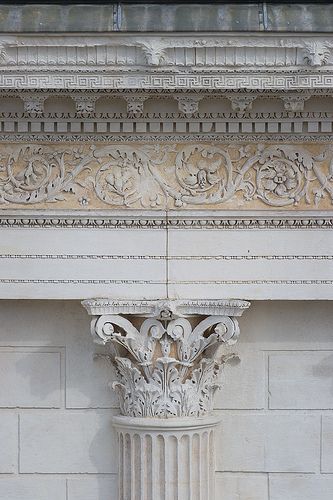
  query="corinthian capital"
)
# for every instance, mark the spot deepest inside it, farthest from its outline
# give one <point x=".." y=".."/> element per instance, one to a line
<point x="167" y="353"/>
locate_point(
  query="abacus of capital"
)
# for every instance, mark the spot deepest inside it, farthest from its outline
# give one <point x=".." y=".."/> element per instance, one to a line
<point x="167" y="354"/>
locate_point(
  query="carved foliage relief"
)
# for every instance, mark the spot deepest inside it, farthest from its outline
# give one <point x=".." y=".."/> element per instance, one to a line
<point x="167" y="367"/>
<point x="160" y="176"/>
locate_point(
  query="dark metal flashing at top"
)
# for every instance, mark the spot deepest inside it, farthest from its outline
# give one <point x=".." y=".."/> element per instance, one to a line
<point x="168" y="16"/>
<point x="161" y="2"/>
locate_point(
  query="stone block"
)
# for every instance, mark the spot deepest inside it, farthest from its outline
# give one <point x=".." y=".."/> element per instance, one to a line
<point x="233" y="127"/>
<point x="326" y="127"/>
<point x="30" y="379"/>
<point x="9" y="126"/>
<point x="207" y="127"/>
<point x="243" y="380"/>
<point x="235" y="486"/>
<point x="141" y="127"/>
<point x="246" y="127"/>
<point x="155" y="127"/>
<point x="76" y="127"/>
<point x="192" y="17"/>
<point x="313" y="127"/>
<point x="298" y="127"/>
<point x="36" y="127"/>
<point x="101" y="127"/>
<point x="286" y="127"/>
<point x="301" y="380"/>
<point x="49" y="127"/>
<point x="260" y="127"/>
<point x="111" y="263"/>
<point x="33" y="488"/>
<point x="288" y="324"/>
<point x="88" y="375"/>
<point x="8" y="443"/>
<point x="22" y="126"/>
<point x="220" y="127"/>
<point x="168" y="127"/>
<point x="48" y="322"/>
<point x="181" y="127"/>
<point x="211" y="264"/>
<point x="327" y="444"/>
<point x="93" y="488"/>
<point x="194" y="127"/>
<point x="268" y="443"/>
<point x="88" y="127"/>
<point x="298" y="16"/>
<point x="62" y="127"/>
<point x="67" y="442"/>
<point x="128" y="127"/>
<point x="272" y="127"/>
<point x="114" y="127"/>
<point x="300" y="487"/>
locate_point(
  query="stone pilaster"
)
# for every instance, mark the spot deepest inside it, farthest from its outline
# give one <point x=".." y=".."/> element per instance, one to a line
<point x="168" y="356"/>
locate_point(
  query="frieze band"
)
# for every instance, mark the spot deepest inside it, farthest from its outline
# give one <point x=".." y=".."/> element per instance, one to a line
<point x="167" y="176"/>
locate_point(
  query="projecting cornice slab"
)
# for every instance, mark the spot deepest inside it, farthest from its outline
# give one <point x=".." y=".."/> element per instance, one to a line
<point x="163" y="61"/>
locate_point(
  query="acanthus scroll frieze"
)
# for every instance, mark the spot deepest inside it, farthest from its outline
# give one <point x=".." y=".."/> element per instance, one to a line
<point x="167" y="176"/>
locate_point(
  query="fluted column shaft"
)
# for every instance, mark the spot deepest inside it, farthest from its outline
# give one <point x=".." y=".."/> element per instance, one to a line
<point x="166" y="460"/>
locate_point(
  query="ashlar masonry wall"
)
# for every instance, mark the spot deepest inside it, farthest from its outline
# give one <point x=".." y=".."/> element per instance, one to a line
<point x="56" y="437"/>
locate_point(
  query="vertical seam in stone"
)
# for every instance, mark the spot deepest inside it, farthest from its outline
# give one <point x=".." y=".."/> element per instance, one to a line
<point x="18" y="443"/>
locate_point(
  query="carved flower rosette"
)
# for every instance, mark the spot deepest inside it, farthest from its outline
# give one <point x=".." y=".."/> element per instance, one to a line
<point x="167" y="367"/>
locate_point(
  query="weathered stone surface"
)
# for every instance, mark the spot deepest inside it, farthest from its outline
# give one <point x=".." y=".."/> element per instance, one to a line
<point x="301" y="380"/>
<point x="34" y="488"/>
<point x="298" y="16"/>
<point x="89" y="446"/>
<point x="149" y="16"/>
<point x="300" y="487"/>
<point x="195" y="175"/>
<point x="243" y="380"/>
<point x="268" y="443"/>
<point x="233" y="486"/>
<point x="190" y="17"/>
<point x="92" y="488"/>
<point x="30" y="379"/>
<point x="9" y="442"/>
<point x="327" y="444"/>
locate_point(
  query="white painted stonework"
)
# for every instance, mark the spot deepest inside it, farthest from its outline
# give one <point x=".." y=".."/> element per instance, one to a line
<point x="166" y="459"/>
<point x="156" y="178"/>
<point x="275" y="405"/>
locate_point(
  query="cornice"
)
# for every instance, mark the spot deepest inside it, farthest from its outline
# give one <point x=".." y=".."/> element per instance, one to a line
<point x="166" y="61"/>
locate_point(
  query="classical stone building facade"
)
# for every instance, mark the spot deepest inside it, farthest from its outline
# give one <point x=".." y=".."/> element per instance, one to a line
<point x="166" y="186"/>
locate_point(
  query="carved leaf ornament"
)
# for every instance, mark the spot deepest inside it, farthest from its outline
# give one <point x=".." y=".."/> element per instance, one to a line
<point x="166" y="367"/>
<point x="162" y="175"/>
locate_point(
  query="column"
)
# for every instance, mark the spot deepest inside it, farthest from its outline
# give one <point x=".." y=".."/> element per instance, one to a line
<point x="168" y="355"/>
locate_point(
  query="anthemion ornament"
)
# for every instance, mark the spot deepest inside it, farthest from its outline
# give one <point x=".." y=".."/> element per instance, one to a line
<point x="167" y="355"/>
